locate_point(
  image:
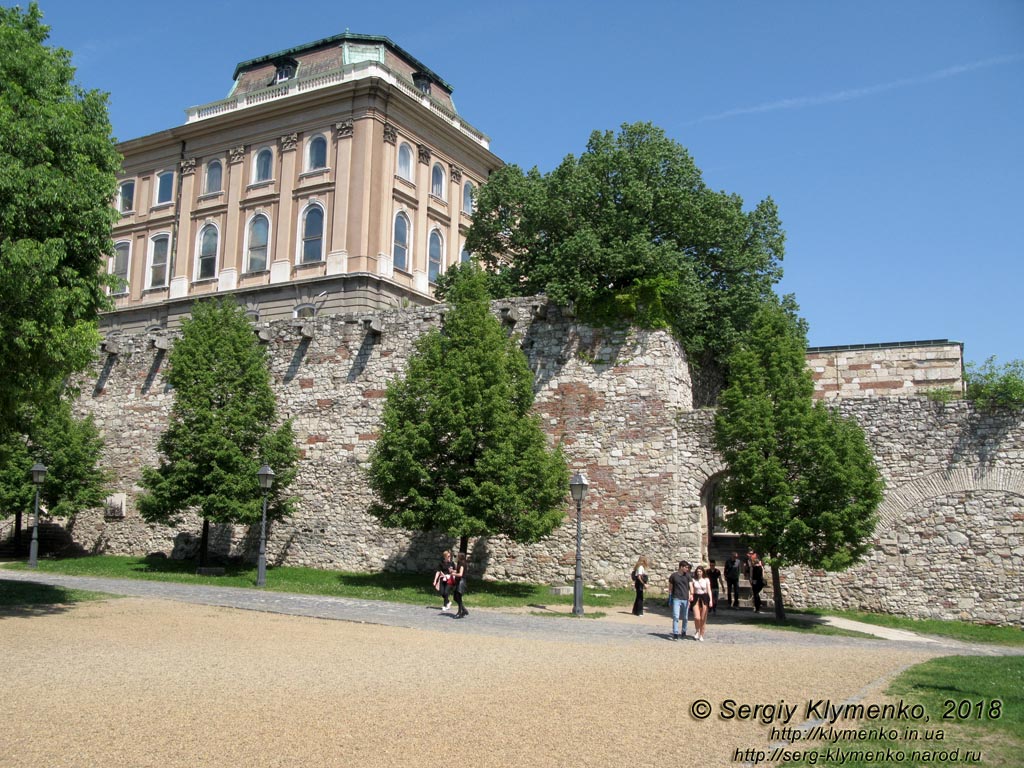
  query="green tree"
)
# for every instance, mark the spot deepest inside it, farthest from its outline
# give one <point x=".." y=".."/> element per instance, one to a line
<point x="458" y="450"/>
<point x="71" y="449"/>
<point x="220" y="429"/>
<point x="991" y="385"/>
<point x="629" y="230"/>
<point x="802" y="482"/>
<point x="57" y="181"/>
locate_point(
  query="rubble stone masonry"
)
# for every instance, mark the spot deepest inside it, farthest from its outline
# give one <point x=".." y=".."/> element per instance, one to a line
<point x="620" y="403"/>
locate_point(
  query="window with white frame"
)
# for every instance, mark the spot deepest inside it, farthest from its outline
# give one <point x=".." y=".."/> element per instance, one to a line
<point x="263" y="165"/>
<point x="435" y="250"/>
<point x="400" y="249"/>
<point x="214" y="177"/>
<point x="437" y="181"/>
<point x="159" y="247"/>
<point x="465" y="255"/>
<point x="206" y="263"/>
<point x="467" y="198"/>
<point x="405" y="161"/>
<point x="165" y="187"/>
<point x="304" y="312"/>
<point x="126" y="197"/>
<point x="258" y="239"/>
<point x="119" y="267"/>
<point x="312" y="235"/>
<point x="316" y="153"/>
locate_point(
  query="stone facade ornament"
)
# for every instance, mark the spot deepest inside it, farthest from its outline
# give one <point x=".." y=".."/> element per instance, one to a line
<point x="236" y="154"/>
<point x="345" y="129"/>
<point x="390" y="133"/>
<point x="456" y="173"/>
<point x="289" y="141"/>
<point x="424" y="153"/>
<point x="188" y="166"/>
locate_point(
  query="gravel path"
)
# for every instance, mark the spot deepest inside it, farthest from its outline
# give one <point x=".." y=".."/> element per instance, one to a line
<point x="173" y="678"/>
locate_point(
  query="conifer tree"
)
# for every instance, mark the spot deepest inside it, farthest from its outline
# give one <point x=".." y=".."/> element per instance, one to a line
<point x="221" y="427"/>
<point x="459" y="451"/>
<point x="802" y="483"/>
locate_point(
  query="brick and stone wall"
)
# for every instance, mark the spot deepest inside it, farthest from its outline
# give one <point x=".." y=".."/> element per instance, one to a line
<point x="611" y="398"/>
<point x="620" y="402"/>
<point x="882" y="370"/>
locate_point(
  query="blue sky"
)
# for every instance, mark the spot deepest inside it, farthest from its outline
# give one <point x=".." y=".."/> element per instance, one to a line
<point x="891" y="134"/>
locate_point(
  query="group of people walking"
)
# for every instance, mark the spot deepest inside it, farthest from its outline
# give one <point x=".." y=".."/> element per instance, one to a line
<point x="450" y="581"/>
<point x="698" y="591"/>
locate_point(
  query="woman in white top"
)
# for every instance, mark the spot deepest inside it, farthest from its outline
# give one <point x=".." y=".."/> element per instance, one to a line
<point x="701" y="599"/>
<point x="639" y="583"/>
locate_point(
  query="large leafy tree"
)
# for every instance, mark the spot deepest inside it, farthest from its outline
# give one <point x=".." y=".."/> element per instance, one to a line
<point x="802" y="482"/>
<point x="221" y="427"/>
<point x="70" y="447"/>
<point x="57" y="180"/>
<point x="630" y="230"/>
<point x="458" y="450"/>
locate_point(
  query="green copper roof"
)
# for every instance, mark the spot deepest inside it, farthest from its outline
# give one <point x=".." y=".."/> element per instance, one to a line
<point x="342" y="38"/>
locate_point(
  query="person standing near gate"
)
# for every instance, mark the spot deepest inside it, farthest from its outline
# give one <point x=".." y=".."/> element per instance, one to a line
<point x="756" y="580"/>
<point x="733" y="566"/>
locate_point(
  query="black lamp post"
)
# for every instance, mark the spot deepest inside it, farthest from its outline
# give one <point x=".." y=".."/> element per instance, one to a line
<point x="266" y="478"/>
<point x="578" y="489"/>
<point x="38" y="475"/>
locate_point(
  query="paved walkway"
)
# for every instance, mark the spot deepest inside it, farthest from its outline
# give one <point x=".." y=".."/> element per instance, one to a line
<point x="617" y="625"/>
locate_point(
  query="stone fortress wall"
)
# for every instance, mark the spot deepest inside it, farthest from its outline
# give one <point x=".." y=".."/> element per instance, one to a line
<point x="620" y="402"/>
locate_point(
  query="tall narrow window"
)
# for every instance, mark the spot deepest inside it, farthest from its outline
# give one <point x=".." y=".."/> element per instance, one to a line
<point x="126" y="197"/>
<point x="437" y="181"/>
<point x="207" y="266"/>
<point x="313" y="234"/>
<point x="405" y="162"/>
<point x="259" y="231"/>
<point x="317" y="152"/>
<point x="159" y="247"/>
<point x="434" y="250"/>
<point x="119" y="268"/>
<point x="264" y="163"/>
<point x="214" y="177"/>
<point x="165" y="187"/>
<point x="400" y="251"/>
<point x="467" y="198"/>
<point x="465" y="255"/>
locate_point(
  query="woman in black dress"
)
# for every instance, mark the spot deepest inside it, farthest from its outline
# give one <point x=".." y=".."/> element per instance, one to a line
<point x="639" y="584"/>
<point x="460" y="585"/>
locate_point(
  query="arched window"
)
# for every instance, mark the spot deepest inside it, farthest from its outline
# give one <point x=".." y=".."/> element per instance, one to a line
<point x="157" y="272"/>
<point x="126" y="197"/>
<point x="119" y="266"/>
<point x="467" y="198"/>
<point x="405" y="162"/>
<point x="312" y="235"/>
<point x="304" y="311"/>
<point x="437" y="181"/>
<point x="435" y="249"/>
<point x="465" y="255"/>
<point x="263" y="167"/>
<point x="316" y="153"/>
<point x="165" y="187"/>
<point x="259" y="236"/>
<point x="207" y="262"/>
<point x="400" y="252"/>
<point x="214" y="177"/>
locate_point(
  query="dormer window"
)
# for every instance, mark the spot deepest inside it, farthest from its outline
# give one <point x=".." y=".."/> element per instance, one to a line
<point x="286" y="70"/>
<point x="422" y="82"/>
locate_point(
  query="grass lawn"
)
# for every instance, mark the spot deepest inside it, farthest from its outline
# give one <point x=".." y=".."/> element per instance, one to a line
<point x="974" y="705"/>
<point x="957" y="630"/>
<point x="19" y="594"/>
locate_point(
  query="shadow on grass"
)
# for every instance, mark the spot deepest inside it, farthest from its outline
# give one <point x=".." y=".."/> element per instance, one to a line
<point x="162" y="564"/>
<point x="26" y="599"/>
